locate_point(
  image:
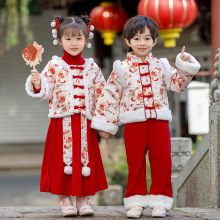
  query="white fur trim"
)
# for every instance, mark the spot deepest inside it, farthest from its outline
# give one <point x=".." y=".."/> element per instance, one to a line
<point x="164" y="114"/>
<point x="86" y="171"/>
<point x="132" y="116"/>
<point x="139" y="115"/>
<point x="167" y="72"/>
<point x="59" y="115"/>
<point x="86" y="69"/>
<point x="117" y="66"/>
<point x="137" y="200"/>
<point x="30" y="91"/>
<point x="104" y="126"/>
<point x="192" y="67"/>
<point x="161" y="201"/>
<point x="68" y="170"/>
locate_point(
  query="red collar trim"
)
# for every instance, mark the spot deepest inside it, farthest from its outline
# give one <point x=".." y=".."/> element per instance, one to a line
<point x="73" y="60"/>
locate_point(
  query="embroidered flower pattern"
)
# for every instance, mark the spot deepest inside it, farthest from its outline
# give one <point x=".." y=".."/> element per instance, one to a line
<point x="59" y="87"/>
<point x="145" y="88"/>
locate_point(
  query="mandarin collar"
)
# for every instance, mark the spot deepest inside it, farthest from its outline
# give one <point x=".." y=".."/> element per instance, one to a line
<point x="73" y="60"/>
<point x="131" y="56"/>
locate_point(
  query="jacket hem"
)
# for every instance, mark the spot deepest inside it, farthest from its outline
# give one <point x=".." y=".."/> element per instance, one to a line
<point x="139" y="116"/>
<point x="104" y="126"/>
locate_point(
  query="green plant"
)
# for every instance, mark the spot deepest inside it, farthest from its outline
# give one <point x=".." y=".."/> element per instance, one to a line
<point x="15" y="16"/>
<point x="120" y="172"/>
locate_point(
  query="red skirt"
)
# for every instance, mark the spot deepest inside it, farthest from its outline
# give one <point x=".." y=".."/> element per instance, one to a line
<point x="53" y="178"/>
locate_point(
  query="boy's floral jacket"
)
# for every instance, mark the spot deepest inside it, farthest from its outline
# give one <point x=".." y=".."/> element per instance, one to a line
<point x="69" y="88"/>
<point x="137" y="91"/>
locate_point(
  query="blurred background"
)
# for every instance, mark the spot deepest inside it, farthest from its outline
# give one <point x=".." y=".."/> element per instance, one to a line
<point x="24" y="121"/>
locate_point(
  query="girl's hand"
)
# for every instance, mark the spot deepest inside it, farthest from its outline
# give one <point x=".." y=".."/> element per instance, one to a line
<point x="35" y="79"/>
<point x="183" y="56"/>
<point x="104" y="135"/>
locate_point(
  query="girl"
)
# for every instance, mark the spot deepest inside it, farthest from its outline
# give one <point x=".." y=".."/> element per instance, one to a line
<point x="72" y="164"/>
<point x="136" y="95"/>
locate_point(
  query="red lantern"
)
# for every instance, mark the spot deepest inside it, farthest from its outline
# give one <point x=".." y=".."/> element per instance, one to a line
<point x="108" y="19"/>
<point x="170" y="15"/>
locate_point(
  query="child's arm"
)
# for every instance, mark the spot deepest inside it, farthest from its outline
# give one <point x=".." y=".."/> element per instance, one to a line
<point x="99" y="85"/>
<point x="43" y="81"/>
<point x="178" y="79"/>
<point x="107" y="110"/>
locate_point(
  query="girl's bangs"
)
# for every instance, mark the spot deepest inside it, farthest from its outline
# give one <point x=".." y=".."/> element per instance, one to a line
<point x="72" y="30"/>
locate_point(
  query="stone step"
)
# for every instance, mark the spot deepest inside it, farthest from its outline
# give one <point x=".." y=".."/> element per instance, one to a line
<point x="103" y="212"/>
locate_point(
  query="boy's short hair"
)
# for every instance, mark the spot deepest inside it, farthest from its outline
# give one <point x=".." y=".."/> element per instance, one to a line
<point x="137" y="24"/>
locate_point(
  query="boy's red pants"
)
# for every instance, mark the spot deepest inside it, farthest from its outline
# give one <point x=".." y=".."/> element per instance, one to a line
<point x="152" y="136"/>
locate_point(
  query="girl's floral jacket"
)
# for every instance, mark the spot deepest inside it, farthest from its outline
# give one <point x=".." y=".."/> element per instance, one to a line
<point x="69" y="88"/>
<point x="137" y="91"/>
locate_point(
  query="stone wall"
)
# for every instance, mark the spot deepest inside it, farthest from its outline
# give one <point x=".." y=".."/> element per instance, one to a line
<point x="198" y="184"/>
<point x="181" y="149"/>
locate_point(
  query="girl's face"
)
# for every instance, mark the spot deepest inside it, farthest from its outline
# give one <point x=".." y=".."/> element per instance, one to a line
<point x="73" y="44"/>
<point x="142" y="43"/>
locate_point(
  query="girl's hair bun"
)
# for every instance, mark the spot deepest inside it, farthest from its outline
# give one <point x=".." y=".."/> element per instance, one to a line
<point x="86" y="19"/>
<point x="59" y="18"/>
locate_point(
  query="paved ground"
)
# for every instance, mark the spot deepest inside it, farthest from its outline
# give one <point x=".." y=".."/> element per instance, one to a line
<point x="104" y="212"/>
<point x="20" y="196"/>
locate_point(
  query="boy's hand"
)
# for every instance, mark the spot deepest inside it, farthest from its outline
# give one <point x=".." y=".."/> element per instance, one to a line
<point x="183" y="56"/>
<point x="35" y="79"/>
<point x="104" y="135"/>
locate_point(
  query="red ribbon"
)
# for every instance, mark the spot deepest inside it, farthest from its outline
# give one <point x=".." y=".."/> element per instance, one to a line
<point x="79" y="96"/>
<point x="148" y="96"/>
<point x="145" y="63"/>
<point x="76" y="67"/>
<point x="149" y="107"/>
<point x="81" y="87"/>
<point x="81" y="77"/>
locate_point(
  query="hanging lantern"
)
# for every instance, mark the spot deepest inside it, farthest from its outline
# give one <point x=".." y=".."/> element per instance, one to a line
<point x="170" y="15"/>
<point x="108" y="19"/>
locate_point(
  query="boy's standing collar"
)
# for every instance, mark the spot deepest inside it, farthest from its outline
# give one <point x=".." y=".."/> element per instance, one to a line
<point x="131" y="56"/>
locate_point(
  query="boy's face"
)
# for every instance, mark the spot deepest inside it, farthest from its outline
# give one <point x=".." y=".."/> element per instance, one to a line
<point x="73" y="44"/>
<point x="142" y="43"/>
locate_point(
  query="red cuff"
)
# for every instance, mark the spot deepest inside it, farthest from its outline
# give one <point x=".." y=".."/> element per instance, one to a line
<point x="36" y="90"/>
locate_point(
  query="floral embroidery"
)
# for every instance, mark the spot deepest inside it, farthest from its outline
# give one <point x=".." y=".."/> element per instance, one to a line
<point x="145" y="86"/>
<point x="59" y="87"/>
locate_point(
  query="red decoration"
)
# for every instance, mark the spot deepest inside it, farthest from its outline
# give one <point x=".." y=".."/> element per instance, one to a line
<point x="57" y="24"/>
<point x="88" y="26"/>
<point x="109" y="19"/>
<point x="169" y="14"/>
